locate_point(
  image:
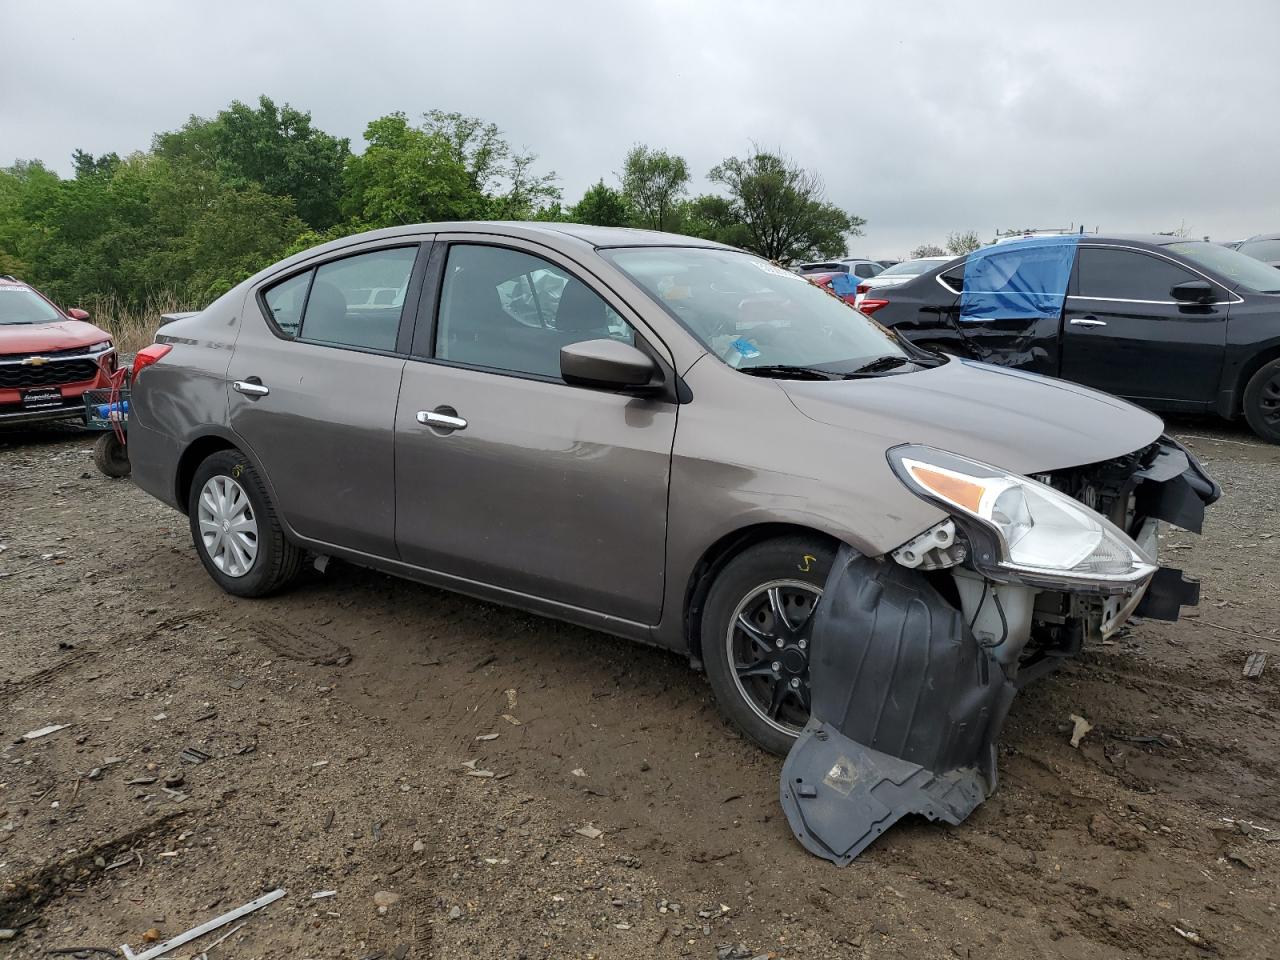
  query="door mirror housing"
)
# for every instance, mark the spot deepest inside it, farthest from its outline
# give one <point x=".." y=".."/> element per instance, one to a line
<point x="609" y="365"/>
<point x="1193" y="291"/>
<point x="75" y="313"/>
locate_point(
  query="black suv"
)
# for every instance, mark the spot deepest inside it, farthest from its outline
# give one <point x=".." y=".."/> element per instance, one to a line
<point x="1171" y="324"/>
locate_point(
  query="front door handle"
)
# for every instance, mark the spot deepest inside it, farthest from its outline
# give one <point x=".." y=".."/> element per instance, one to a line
<point x="1088" y="322"/>
<point x="441" y="420"/>
<point x="253" y="387"/>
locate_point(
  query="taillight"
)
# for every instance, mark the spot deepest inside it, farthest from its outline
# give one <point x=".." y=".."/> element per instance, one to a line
<point x="869" y="306"/>
<point x="862" y="288"/>
<point x="147" y="356"/>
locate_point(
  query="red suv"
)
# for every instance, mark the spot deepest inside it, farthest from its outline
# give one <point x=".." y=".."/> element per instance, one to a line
<point x="48" y="357"/>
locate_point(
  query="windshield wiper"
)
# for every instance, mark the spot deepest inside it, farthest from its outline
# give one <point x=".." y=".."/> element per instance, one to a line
<point x="879" y="364"/>
<point x="789" y="372"/>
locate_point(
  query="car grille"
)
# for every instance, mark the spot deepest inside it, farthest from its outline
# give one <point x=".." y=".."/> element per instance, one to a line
<point x="49" y="374"/>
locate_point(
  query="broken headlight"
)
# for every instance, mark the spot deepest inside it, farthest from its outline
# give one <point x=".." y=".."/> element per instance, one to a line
<point x="1023" y="529"/>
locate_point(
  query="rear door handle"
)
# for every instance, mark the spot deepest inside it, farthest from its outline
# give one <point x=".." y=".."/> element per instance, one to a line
<point x="1088" y="322"/>
<point x="252" y="387"/>
<point x="441" y="421"/>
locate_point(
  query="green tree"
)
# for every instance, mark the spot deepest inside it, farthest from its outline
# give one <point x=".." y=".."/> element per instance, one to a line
<point x="498" y="172"/>
<point x="783" y="208"/>
<point x="602" y="206"/>
<point x="409" y="175"/>
<point x="927" y="250"/>
<point x="716" y="218"/>
<point x="87" y="165"/>
<point x="653" y="183"/>
<point x="959" y="243"/>
<point x="274" y="147"/>
<point x="451" y="167"/>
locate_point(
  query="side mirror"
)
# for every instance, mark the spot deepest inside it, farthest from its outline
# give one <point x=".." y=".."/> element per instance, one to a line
<point x="1193" y="291"/>
<point x="75" y="313"/>
<point x="607" y="365"/>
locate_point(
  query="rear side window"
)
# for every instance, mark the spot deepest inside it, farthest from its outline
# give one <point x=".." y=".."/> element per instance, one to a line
<point x="340" y="309"/>
<point x="1109" y="274"/>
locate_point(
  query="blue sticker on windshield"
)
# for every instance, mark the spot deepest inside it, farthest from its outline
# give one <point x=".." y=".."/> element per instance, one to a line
<point x="745" y="347"/>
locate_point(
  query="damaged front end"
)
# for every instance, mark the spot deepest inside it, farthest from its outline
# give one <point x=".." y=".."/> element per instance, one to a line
<point x="916" y="656"/>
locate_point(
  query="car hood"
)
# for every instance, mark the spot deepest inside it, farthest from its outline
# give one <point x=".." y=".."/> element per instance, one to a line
<point x="1021" y="422"/>
<point x="59" y="335"/>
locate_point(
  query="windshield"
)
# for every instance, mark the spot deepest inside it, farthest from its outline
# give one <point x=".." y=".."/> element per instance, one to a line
<point x="23" y="305"/>
<point x="1244" y="270"/>
<point x="750" y="313"/>
<point x="1261" y="249"/>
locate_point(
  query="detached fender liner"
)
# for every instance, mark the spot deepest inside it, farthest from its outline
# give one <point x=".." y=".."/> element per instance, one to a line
<point x="906" y="710"/>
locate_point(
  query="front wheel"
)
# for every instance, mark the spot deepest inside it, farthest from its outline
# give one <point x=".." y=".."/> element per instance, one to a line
<point x="1262" y="402"/>
<point x="756" y="631"/>
<point x="235" y="529"/>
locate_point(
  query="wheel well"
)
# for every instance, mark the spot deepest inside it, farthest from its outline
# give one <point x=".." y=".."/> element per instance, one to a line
<point x="191" y="458"/>
<point x="1256" y="363"/>
<point x="713" y="561"/>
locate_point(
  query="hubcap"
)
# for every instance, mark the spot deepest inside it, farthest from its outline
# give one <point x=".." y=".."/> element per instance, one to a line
<point x="228" y="529"/>
<point x="768" y="646"/>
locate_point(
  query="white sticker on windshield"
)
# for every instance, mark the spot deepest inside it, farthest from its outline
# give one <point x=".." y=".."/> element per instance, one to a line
<point x="774" y="269"/>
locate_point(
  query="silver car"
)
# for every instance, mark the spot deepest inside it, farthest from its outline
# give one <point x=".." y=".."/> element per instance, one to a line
<point x="673" y="441"/>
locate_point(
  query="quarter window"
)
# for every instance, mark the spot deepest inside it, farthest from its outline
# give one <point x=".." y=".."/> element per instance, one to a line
<point x="1108" y="274"/>
<point x="286" y="300"/>
<point x="508" y="310"/>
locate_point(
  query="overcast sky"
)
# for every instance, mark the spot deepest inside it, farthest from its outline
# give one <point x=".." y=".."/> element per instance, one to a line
<point x="921" y="117"/>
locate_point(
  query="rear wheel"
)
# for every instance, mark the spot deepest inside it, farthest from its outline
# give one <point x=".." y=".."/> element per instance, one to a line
<point x="111" y="456"/>
<point x="1262" y="402"/>
<point x="235" y="529"/>
<point x="756" y="630"/>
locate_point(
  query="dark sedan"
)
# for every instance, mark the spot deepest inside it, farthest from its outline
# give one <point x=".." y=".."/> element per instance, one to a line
<point x="1175" y="325"/>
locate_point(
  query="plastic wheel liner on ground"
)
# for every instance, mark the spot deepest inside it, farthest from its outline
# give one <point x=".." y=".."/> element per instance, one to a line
<point x="907" y="707"/>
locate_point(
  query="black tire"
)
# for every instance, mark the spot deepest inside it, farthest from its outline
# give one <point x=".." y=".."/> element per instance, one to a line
<point x="1262" y="402"/>
<point x="111" y="456"/>
<point x="277" y="561"/>
<point x="801" y="561"/>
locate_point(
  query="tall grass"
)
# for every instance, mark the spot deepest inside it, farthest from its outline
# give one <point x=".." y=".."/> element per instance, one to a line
<point x="131" y="326"/>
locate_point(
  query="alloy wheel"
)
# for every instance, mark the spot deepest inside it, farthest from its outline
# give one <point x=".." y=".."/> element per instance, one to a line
<point x="228" y="528"/>
<point x="768" y="645"/>
<point x="1269" y="401"/>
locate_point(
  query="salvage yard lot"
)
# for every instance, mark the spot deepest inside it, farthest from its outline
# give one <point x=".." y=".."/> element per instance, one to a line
<point x="338" y="718"/>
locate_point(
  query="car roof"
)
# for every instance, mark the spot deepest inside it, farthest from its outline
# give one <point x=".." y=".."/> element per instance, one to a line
<point x="564" y="237"/>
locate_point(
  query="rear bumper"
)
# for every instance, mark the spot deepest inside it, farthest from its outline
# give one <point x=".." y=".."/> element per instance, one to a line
<point x="154" y="459"/>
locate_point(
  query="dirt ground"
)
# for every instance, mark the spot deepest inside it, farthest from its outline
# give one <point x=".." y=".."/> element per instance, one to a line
<point x="339" y="718"/>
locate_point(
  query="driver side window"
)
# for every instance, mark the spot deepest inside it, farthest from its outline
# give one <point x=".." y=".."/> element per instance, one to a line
<point x="507" y="310"/>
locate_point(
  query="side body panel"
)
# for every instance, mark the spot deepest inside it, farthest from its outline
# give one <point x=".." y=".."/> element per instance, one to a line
<point x="183" y="398"/>
<point x="1253" y="338"/>
<point x="549" y="490"/>
<point x="1158" y="352"/>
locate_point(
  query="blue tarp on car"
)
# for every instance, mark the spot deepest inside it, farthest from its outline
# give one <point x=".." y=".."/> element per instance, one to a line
<point x="844" y="284"/>
<point x="1021" y="280"/>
